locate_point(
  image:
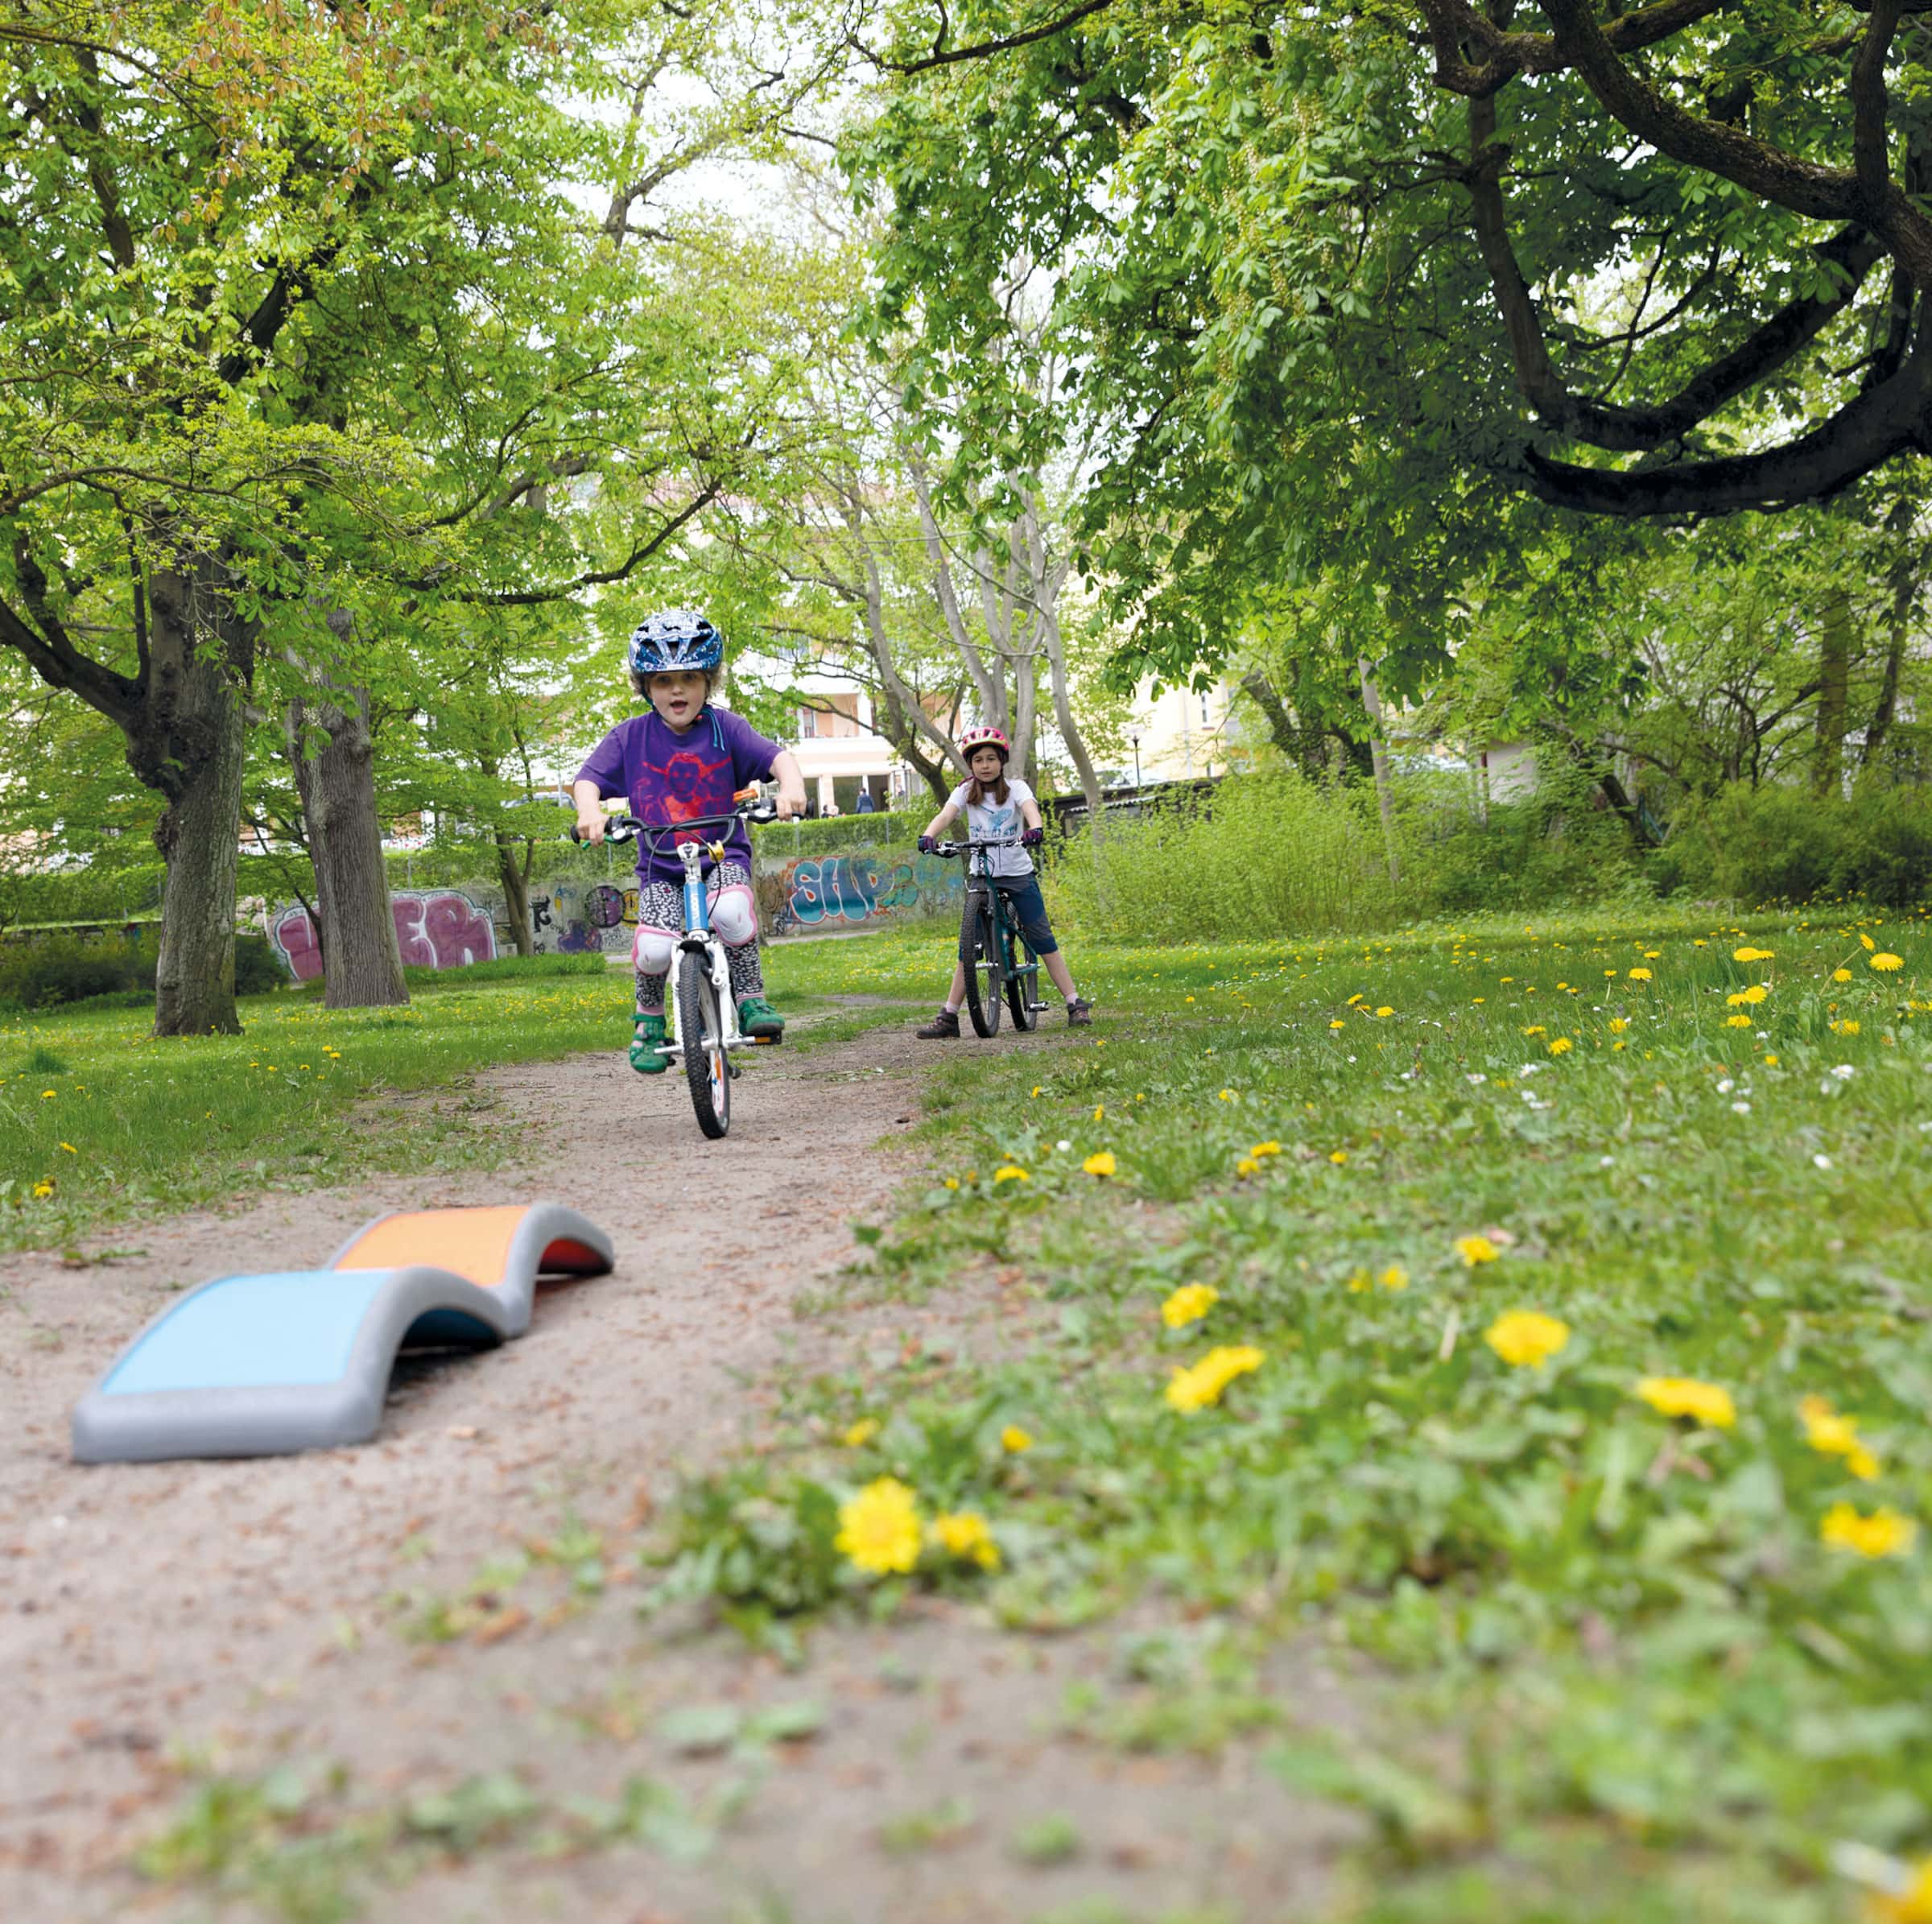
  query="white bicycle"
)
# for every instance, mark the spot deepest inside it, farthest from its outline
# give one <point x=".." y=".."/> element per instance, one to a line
<point x="702" y="1028"/>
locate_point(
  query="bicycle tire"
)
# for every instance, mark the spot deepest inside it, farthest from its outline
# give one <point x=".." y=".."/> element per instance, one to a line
<point x="979" y="949"/>
<point x="1022" y="985"/>
<point x="701" y="1030"/>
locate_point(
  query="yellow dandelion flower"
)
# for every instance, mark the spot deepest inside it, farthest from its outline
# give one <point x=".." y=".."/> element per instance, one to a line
<point x="1270" y="1148"/>
<point x="1353" y="1000"/>
<point x="1201" y="1385"/>
<point x="1841" y="975"/>
<point x="1227" y="1096"/>
<point x="1640" y="975"/>
<point x="1883" y="1533"/>
<point x="44" y="1189"/>
<point x="1831" y="1434"/>
<point x="951" y="1182"/>
<point x="1036" y="1089"/>
<point x="1885" y="962"/>
<point x="1338" y="1024"/>
<point x="879" y="1528"/>
<point x="1650" y="954"/>
<point x="1866" y="943"/>
<point x="1751" y="955"/>
<point x="1912" y="1904"/>
<point x="46" y="1094"/>
<point x="1384" y="1010"/>
<point x="1010" y="1172"/>
<point x="1338" y="1156"/>
<point x="1359" y="1284"/>
<point x="1737" y="1022"/>
<point x="1536" y="1029"/>
<point x="1189" y="1303"/>
<point x="1561" y="1045"/>
<point x="1618" y="1025"/>
<point x="963" y="1533"/>
<point x="1014" y="1440"/>
<point x="1100" y="1163"/>
<point x="69" y="1147"/>
<point x="1100" y="1110"/>
<point x="861" y="1433"/>
<point x="1474" y="1249"/>
<point x="1706" y="1403"/>
<point x="1525" y="1338"/>
<point x="1395" y="1276"/>
<point x="1247" y="1166"/>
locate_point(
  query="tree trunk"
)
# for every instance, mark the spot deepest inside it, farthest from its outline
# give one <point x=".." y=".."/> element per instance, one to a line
<point x="1834" y="675"/>
<point x="1904" y="592"/>
<point x="337" y="784"/>
<point x="199" y="836"/>
<point x="1282" y="730"/>
<point x="186" y="738"/>
<point x="1384" y="793"/>
<point x="514" y="875"/>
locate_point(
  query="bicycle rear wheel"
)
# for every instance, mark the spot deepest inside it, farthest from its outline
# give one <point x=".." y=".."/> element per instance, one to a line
<point x="979" y="951"/>
<point x="701" y="1030"/>
<point x="1023" y="984"/>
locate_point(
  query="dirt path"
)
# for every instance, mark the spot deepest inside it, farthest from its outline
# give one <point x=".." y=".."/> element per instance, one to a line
<point x="252" y="1612"/>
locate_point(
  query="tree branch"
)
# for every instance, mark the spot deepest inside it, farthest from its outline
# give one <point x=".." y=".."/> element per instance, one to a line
<point x="944" y="56"/>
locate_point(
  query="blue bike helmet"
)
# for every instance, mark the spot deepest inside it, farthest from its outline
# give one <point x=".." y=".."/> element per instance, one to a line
<point x="680" y="638"/>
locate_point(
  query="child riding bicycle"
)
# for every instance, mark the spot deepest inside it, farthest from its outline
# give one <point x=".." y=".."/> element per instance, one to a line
<point x="994" y="806"/>
<point x="682" y="760"/>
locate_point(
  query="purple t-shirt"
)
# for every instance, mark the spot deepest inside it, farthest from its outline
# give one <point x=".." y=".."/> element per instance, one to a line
<point x="667" y="778"/>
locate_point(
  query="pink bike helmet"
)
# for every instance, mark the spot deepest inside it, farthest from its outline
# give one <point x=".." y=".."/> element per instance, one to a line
<point x="985" y="737"/>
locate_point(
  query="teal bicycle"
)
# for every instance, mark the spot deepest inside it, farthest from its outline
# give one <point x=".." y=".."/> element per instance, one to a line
<point x="704" y="1029"/>
<point x="1001" y="965"/>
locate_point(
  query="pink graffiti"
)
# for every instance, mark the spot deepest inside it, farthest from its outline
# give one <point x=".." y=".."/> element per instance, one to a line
<point x="435" y="929"/>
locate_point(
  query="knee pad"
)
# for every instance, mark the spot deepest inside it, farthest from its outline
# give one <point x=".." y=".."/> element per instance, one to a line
<point x="735" y="916"/>
<point x="653" y="950"/>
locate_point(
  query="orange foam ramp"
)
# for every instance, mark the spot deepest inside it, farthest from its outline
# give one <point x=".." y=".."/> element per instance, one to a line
<point x="505" y="1249"/>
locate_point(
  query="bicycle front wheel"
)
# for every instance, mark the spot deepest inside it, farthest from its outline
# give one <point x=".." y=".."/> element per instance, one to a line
<point x="701" y="1030"/>
<point x="979" y="951"/>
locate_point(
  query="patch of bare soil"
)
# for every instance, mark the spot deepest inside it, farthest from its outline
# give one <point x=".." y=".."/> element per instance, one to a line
<point x="248" y="1613"/>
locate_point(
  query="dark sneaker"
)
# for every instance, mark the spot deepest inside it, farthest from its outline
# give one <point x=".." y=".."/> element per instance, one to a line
<point x="756" y="1017"/>
<point x="945" y="1023"/>
<point x="1080" y="1012"/>
<point x="646" y="1055"/>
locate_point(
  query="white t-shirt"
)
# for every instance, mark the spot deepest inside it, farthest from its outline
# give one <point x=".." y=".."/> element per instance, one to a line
<point x="993" y="821"/>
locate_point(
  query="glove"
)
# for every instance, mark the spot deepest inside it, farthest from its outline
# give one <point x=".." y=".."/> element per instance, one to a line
<point x="927" y="844"/>
<point x="1033" y="838"/>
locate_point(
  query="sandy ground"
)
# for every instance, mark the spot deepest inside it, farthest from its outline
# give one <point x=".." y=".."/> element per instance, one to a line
<point x="245" y="1614"/>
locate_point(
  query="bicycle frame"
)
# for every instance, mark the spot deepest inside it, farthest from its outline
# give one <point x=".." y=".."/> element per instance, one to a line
<point x="1006" y="931"/>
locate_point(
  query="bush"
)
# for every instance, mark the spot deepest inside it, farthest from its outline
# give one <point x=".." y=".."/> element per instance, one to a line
<point x="1778" y="844"/>
<point x="1561" y="844"/>
<point x="256" y="972"/>
<point x="41" y="972"/>
<point x="1265" y="855"/>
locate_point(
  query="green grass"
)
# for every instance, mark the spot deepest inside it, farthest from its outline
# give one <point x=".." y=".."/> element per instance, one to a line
<point x="1621" y="1671"/>
<point x="101" y="1124"/>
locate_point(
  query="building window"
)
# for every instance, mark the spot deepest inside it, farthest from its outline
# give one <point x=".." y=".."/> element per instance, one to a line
<point x="808" y="724"/>
<point x="1205" y="722"/>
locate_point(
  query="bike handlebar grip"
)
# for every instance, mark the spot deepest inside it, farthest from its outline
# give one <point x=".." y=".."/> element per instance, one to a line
<point x="746" y="794"/>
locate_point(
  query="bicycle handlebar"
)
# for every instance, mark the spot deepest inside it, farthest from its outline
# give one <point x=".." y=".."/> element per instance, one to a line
<point x="950" y="849"/>
<point x="620" y="828"/>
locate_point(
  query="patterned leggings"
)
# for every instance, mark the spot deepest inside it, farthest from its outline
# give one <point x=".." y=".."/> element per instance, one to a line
<point x="661" y="918"/>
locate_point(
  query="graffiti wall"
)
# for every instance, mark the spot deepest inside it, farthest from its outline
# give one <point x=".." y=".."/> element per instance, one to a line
<point x="435" y="928"/>
<point x="571" y="916"/>
<point x="857" y="885"/>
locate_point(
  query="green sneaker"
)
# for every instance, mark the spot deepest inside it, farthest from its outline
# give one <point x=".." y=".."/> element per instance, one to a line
<point x="756" y="1017"/>
<point x="645" y="1057"/>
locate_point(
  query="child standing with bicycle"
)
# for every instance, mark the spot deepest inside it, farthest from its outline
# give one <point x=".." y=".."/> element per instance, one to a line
<point x="995" y="807"/>
<point x="681" y="760"/>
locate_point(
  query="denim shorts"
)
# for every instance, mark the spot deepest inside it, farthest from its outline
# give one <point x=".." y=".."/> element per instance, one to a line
<point x="1024" y="905"/>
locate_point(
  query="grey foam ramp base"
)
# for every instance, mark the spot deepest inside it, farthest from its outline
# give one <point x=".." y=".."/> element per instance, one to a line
<point x="266" y="1365"/>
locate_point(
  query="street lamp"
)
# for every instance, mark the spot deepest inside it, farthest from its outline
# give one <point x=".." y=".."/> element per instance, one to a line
<point x="1136" y="740"/>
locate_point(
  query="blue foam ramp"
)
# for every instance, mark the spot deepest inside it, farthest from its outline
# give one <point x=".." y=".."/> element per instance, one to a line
<point x="264" y="1364"/>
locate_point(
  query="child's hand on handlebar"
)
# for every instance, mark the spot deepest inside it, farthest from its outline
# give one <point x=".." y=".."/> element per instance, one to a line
<point x="590" y="826"/>
<point x="1033" y="838"/>
<point x="927" y="845"/>
<point x="790" y="802"/>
